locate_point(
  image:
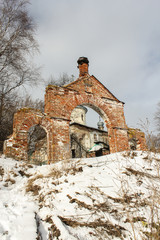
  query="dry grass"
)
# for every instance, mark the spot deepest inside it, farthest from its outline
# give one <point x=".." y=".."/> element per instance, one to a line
<point x="9" y="179"/>
<point x="95" y="207"/>
<point x="71" y="167"/>
<point x="29" y="166"/>
<point x="136" y="219"/>
<point x="155" y="233"/>
<point x="42" y="196"/>
<point x="74" y="170"/>
<point x="53" y="230"/>
<point x="34" y="188"/>
<point x="125" y="199"/>
<point x="22" y="173"/>
<point x="112" y="230"/>
<point x="98" y="207"/>
<point x="13" y="173"/>
<point x="143" y="174"/>
<point x="55" y="174"/>
<point x="1" y="171"/>
<point x="6" y="184"/>
<point x="80" y="203"/>
<point x="130" y="154"/>
<point x="150" y="221"/>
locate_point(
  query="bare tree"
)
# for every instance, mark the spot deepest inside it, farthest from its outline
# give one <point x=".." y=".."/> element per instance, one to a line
<point x="152" y="140"/>
<point x="27" y="101"/>
<point x="9" y="108"/>
<point x="157" y="117"/>
<point x="64" y="79"/>
<point x="157" y="120"/>
<point x="17" y="44"/>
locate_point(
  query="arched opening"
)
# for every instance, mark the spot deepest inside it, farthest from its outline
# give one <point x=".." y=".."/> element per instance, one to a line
<point x="95" y="120"/>
<point x="88" y="133"/>
<point x="37" y="145"/>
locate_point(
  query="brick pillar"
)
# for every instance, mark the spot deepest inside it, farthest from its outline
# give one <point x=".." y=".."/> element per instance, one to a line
<point x="83" y="64"/>
<point x="121" y="139"/>
<point x="111" y="140"/>
<point x="61" y="140"/>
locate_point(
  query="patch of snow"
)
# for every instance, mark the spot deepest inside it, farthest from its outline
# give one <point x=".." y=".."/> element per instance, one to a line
<point x="74" y="199"/>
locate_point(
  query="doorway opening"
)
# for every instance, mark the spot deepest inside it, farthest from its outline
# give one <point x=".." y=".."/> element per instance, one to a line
<point x="37" y="145"/>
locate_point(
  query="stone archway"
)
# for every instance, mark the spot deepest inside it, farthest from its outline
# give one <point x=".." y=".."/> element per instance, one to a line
<point x="86" y="90"/>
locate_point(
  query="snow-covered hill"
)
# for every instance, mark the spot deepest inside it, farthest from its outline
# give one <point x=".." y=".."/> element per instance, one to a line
<point x="111" y="197"/>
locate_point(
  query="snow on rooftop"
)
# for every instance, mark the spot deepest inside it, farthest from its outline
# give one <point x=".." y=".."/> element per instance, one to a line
<point x="109" y="197"/>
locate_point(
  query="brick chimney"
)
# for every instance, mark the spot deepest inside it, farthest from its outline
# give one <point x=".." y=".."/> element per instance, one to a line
<point x="83" y="64"/>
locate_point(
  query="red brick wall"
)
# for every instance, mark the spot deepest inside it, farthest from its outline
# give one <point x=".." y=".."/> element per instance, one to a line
<point x="24" y="119"/>
<point x="88" y="91"/>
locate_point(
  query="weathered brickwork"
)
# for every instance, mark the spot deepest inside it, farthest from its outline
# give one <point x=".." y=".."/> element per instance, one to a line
<point x="24" y="119"/>
<point x="59" y="104"/>
<point x="137" y="139"/>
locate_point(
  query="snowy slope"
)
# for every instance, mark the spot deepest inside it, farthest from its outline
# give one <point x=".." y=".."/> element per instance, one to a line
<point x="111" y="197"/>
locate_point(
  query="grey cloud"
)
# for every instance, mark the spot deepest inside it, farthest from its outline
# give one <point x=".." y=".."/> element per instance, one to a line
<point x="120" y="38"/>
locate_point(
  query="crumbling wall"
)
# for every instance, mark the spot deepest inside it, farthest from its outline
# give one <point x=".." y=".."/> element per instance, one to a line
<point x="137" y="139"/>
<point x="59" y="104"/>
<point x="17" y="145"/>
<point x="88" y="91"/>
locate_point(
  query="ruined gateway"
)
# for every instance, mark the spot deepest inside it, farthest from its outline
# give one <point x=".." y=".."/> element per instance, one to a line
<point x="62" y="133"/>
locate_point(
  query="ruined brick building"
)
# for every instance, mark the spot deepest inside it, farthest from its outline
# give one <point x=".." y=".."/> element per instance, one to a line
<point x="58" y="128"/>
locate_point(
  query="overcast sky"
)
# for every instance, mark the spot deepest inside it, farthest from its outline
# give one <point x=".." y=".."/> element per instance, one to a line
<point x="121" y="39"/>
